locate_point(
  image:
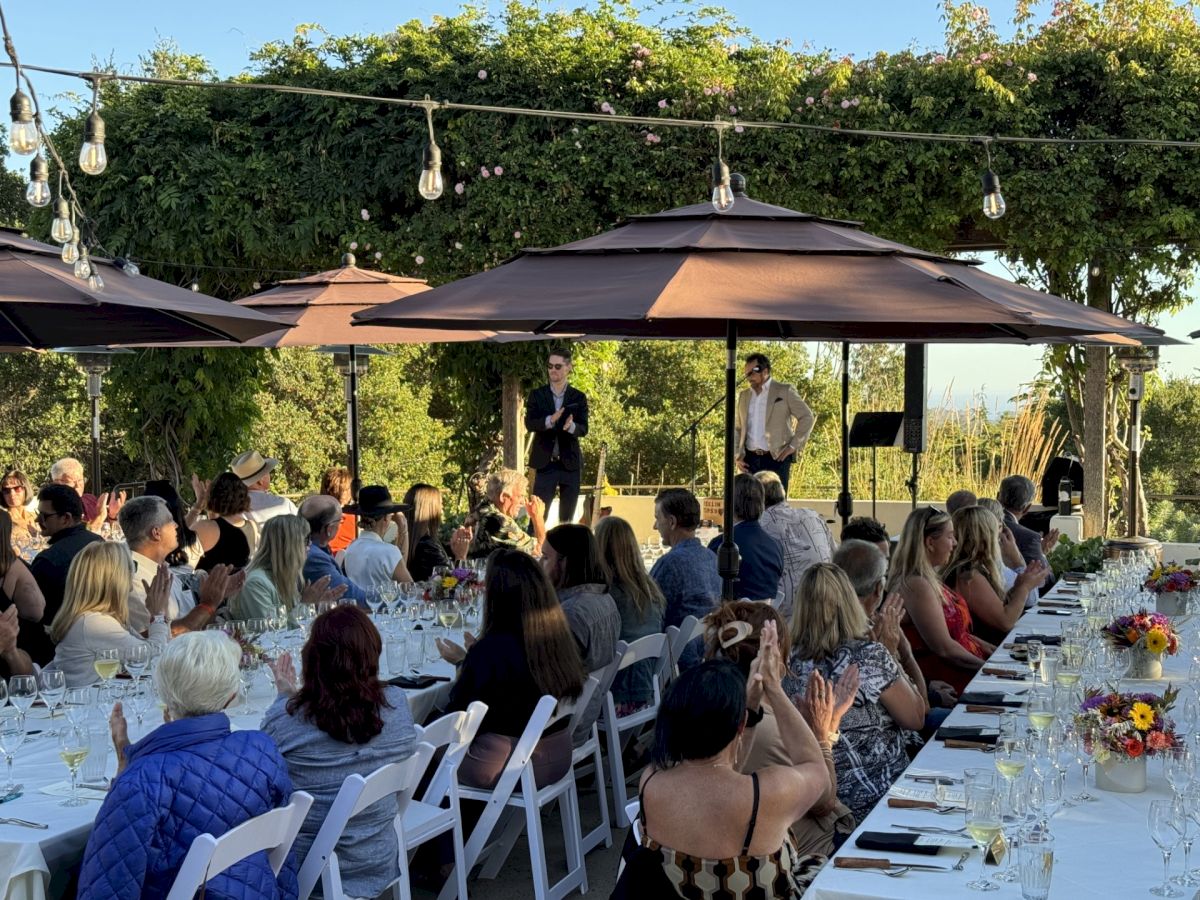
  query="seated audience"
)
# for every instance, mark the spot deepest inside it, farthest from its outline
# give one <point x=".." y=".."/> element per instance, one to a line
<point x="525" y="652"/>
<point x="639" y="602"/>
<point x="864" y="528"/>
<point x="18" y="499"/>
<point x="425" y="550"/>
<point x="960" y="500"/>
<point x="151" y="533"/>
<point x="713" y="825"/>
<point x="370" y="559"/>
<point x="60" y="516"/>
<point x="342" y="720"/>
<point x="687" y="573"/>
<point x="255" y="472"/>
<point x="190" y="776"/>
<point x="19" y="590"/>
<point x="761" y="564"/>
<point x="95" y="611"/>
<point x="275" y="577"/>
<point x="229" y="535"/>
<point x="324" y="517"/>
<point x="801" y="533"/>
<point x="830" y="633"/>
<point x="336" y="483"/>
<point x="974" y="571"/>
<point x="1016" y="495"/>
<point x="571" y="561"/>
<point x="733" y="632"/>
<point x="96" y="510"/>
<point x="183" y="558"/>
<point x="13" y="660"/>
<point x="496" y="518"/>
<point x="1011" y="562"/>
<point x="939" y="621"/>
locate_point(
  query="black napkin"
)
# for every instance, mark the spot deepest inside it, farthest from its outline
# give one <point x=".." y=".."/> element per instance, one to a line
<point x="987" y="698"/>
<point x="1049" y="640"/>
<point x="965" y="733"/>
<point x="890" y="842"/>
<point x="417" y="682"/>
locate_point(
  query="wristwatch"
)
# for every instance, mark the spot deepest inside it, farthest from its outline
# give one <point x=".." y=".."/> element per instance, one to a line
<point x="754" y="716"/>
<point x="160" y="618"/>
<point x="833" y="737"/>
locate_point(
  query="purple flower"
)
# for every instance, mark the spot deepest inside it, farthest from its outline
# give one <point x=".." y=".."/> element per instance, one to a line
<point x="459" y="188"/>
<point x="662" y="104"/>
<point x="738" y="129"/>
<point x="845" y="104"/>
<point x="809" y="101"/>
<point x="606" y="107"/>
<point x="732" y="110"/>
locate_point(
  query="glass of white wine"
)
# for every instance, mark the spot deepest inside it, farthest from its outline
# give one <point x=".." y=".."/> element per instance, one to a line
<point x="1041" y="710"/>
<point x="107" y="664"/>
<point x="983" y="824"/>
<point x="448" y="615"/>
<point x="73" y="747"/>
<point x="1011" y="757"/>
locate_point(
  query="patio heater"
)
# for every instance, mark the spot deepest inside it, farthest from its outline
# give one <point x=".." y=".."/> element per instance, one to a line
<point x="1137" y="361"/>
<point x="96" y="363"/>
<point x="351" y="362"/>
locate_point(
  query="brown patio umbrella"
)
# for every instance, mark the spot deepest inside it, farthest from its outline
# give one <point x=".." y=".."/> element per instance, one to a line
<point x="758" y="271"/>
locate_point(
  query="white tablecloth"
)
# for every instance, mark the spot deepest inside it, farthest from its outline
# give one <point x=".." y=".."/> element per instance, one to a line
<point x="1102" y="849"/>
<point x="35" y="864"/>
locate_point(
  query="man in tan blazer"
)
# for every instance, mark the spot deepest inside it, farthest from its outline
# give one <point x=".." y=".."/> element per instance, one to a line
<point x="765" y="438"/>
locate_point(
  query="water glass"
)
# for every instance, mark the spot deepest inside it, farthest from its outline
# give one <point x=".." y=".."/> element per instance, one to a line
<point x="978" y="780"/>
<point x="1036" y="854"/>
<point x="1051" y="661"/>
<point x="414" y="648"/>
<point x="1166" y="830"/>
<point x="53" y="688"/>
<point x="12" y="736"/>
<point x="99" y="742"/>
<point x="1179" y="767"/>
<point x="22" y="691"/>
<point x="395" y="653"/>
<point x="1033" y="657"/>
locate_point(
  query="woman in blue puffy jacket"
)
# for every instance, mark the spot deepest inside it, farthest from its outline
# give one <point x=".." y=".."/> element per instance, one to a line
<point x="188" y="777"/>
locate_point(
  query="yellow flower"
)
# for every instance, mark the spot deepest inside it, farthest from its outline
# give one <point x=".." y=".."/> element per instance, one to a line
<point x="449" y="581"/>
<point x="1142" y="716"/>
<point x="1156" y="640"/>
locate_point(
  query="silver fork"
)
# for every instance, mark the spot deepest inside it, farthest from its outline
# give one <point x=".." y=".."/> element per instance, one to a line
<point x="930" y="829"/>
<point x="25" y="823"/>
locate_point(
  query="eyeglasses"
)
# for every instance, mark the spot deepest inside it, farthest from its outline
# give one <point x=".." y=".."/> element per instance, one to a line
<point x="12" y="487"/>
<point x="554" y="367"/>
<point x="755" y="370"/>
<point x="42" y="516"/>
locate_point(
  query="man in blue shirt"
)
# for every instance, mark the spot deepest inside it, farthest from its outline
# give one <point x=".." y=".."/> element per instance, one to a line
<point x="324" y="515"/>
<point x="687" y="575"/>
<point x="761" y="559"/>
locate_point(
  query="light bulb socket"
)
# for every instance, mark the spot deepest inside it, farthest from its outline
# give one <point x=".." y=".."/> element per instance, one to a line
<point x="991" y="182"/>
<point x="348" y="260"/>
<point x="62" y="209"/>
<point x="93" y="130"/>
<point x="737" y="183"/>
<point x="720" y="173"/>
<point x="39" y="169"/>
<point x="432" y="156"/>
<point x="21" y="108"/>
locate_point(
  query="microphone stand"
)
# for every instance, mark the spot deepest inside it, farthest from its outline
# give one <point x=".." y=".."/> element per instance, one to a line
<point x="695" y="425"/>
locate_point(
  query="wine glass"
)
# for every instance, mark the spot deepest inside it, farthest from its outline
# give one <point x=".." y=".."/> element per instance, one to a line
<point x="1041" y="710"/>
<point x="1166" y="831"/>
<point x="137" y="660"/>
<point x="1011" y="757"/>
<point x="1033" y="658"/>
<point x="76" y="703"/>
<point x="303" y="614"/>
<point x="73" y="747"/>
<point x="448" y="616"/>
<point x="983" y="824"/>
<point x="1189" y="829"/>
<point x="107" y="664"/>
<point x="1083" y="755"/>
<point x="22" y="691"/>
<point x="1179" y="767"/>
<point x="12" y="736"/>
<point x="52" y="684"/>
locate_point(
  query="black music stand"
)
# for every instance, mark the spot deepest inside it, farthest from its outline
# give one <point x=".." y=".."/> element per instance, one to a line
<point x="875" y="430"/>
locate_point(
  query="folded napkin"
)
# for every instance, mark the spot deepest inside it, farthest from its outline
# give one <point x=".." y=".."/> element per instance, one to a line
<point x="1049" y="640"/>
<point x="417" y="682"/>
<point x="987" y="698"/>
<point x="893" y="843"/>
<point x="977" y="734"/>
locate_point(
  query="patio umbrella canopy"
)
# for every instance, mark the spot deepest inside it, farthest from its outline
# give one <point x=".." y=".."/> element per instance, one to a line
<point x="757" y="271"/>
<point x="43" y="305"/>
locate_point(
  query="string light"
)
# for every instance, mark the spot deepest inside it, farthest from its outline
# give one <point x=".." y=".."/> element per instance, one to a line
<point x="195" y="286"/>
<point x="92" y="157"/>
<point x="61" y="229"/>
<point x="37" y="192"/>
<point x="722" y="195"/>
<point x="22" y="134"/>
<point x="430" y="185"/>
<point x="993" y="201"/>
<point x="83" y="266"/>
<point x="70" y="252"/>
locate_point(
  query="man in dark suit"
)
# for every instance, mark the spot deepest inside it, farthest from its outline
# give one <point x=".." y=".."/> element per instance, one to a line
<point x="1016" y="496"/>
<point x="557" y="415"/>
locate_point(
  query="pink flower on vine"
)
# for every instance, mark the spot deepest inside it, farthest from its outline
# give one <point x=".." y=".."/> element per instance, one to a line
<point x="809" y="101"/>
<point x="738" y="129"/>
<point x="366" y="216"/>
<point x="517" y="235"/>
<point x="420" y="260"/>
<point x="732" y="110"/>
<point x="498" y="170"/>
<point x="940" y="58"/>
<point x="1031" y="77"/>
<point x="378" y="254"/>
<point x="458" y="245"/>
<point x="354" y="245"/>
<point x="845" y="104"/>
<point x="606" y="107"/>
<point x="459" y="188"/>
<point x="482" y="73"/>
<point x="484" y="172"/>
<point x="662" y="104"/>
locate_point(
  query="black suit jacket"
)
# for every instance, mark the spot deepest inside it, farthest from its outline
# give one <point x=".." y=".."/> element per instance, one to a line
<point x="541" y="405"/>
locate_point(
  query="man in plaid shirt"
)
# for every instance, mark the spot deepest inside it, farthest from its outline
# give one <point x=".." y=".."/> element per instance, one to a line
<point x="802" y="535"/>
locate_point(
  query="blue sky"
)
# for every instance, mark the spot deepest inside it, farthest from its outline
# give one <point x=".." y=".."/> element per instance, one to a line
<point x="226" y="32"/>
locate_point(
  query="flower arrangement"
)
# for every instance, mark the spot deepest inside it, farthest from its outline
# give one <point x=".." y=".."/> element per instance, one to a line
<point x="1127" y="725"/>
<point x="1171" y="579"/>
<point x="252" y="654"/>
<point x="1153" y="629"/>
<point x="441" y="585"/>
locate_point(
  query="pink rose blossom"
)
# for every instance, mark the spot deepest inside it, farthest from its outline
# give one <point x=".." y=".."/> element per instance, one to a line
<point x="482" y="73"/>
<point x="1031" y="77"/>
<point x="637" y="63"/>
<point x="662" y="104"/>
<point x="708" y="92"/>
<point x="940" y="58"/>
<point x="484" y="173"/>
<point x="606" y="107"/>
<point x="845" y="104"/>
<point x="517" y="235"/>
<point x="854" y="102"/>
<point x="732" y="110"/>
<point x="420" y="260"/>
<point x="498" y="170"/>
<point x="459" y="188"/>
<point x="809" y="101"/>
<point x="977" y="14"/>
<point x="738" y="129"/>
<point x="354" y="245"/>
<point x="366" y="216"/>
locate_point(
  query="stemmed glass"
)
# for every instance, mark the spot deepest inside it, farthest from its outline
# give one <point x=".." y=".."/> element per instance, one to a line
<point x="137" y="660"/>
<point x="12" y="736"/>
<point x="1166" y="831"/>
<point x="983" y="824"/>
<point x="73" y="747"/>
<point x="1011" y="757"/>
<point x="1083" y="755"/>
<point x="22" y="691"/>
<point x="107" y="664"/>
<point x="304" y="613"/>
<point x="1179" y="767"/>
<point x="1187" y="810"/>
<point x="53" y="687"/>
<point x="1033" y="658"/>
<point x="1041" y="710"/>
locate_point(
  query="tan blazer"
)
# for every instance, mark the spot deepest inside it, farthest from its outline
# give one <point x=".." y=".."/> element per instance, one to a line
<point x="783" y="405"/>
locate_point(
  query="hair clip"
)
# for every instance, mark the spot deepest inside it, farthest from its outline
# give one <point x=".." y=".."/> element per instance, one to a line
<point x="741" y="631"/>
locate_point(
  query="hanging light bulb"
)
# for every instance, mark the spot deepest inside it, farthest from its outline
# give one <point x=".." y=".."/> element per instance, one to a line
<point x="61" y="229"/>
<point x="92" y="158"/>
<point x="83" y="266"/>
<point x="131" y="269"/>
<point x="993" y="201"/>
<point x="70" y="252"/>
<point x="722" y="195"/>
<point x="95" y="282"/>
<point x="195" y="286"/>
<point x="22" y="135"/>
<point x="37" y="192"/>
<point x="430" y="185"/>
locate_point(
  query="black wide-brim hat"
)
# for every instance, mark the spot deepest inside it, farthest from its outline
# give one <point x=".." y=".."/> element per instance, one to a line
<point x="374" y="500"/>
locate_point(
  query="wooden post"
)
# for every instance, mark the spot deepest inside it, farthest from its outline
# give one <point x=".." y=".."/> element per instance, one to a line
<point x="1095" y="414"/>
<point x="512" y="406"/>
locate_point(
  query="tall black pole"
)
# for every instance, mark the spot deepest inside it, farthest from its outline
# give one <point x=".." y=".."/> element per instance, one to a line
<point x="352" y="407"/>
<point x="727" y="556"/>
<point x="693" y="436"/>
<point x="1136" y="380"/>
<point x="845" y="502"/>
<point x="94" y="394"/>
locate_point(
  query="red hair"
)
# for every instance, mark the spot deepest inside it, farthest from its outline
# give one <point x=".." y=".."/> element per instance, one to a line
<point x="342" y="694"/>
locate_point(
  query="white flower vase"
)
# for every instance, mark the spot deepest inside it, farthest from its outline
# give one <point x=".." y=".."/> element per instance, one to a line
<point x="1173" y="603"/>
<point x="1143" y="665"/>
<point x="1122" y="775"/>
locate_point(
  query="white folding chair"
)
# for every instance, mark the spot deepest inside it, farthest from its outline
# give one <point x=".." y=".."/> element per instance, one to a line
<point x="588" y="756"/>
<point x="654" y="648"/>
<point x="516" y="790"/>
<point x="356" y="794"/>
<point x="632" y="808"/>
<point x="678" y="636"/>
<point x="208" y="856"/>
<point x="426" y="818"/>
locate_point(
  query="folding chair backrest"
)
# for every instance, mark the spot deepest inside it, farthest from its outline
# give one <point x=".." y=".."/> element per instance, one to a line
<point x="356" y="794"/>
<point x="581" y="703"/>
<point x="208" y="856"/>
<point x="454" y="731"/>
<point x="632" y="809"/>
<point x="522" y="752"/>
<point x="680" y="635"/>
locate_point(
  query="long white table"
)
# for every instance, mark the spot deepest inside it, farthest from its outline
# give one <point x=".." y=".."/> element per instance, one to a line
<point x="35" y="864"/>
<point x="1102" y="848"/>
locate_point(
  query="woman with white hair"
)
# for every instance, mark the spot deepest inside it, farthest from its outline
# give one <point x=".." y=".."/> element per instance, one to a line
<point x="95" y="611"/>
<point x="190" y="776"/>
